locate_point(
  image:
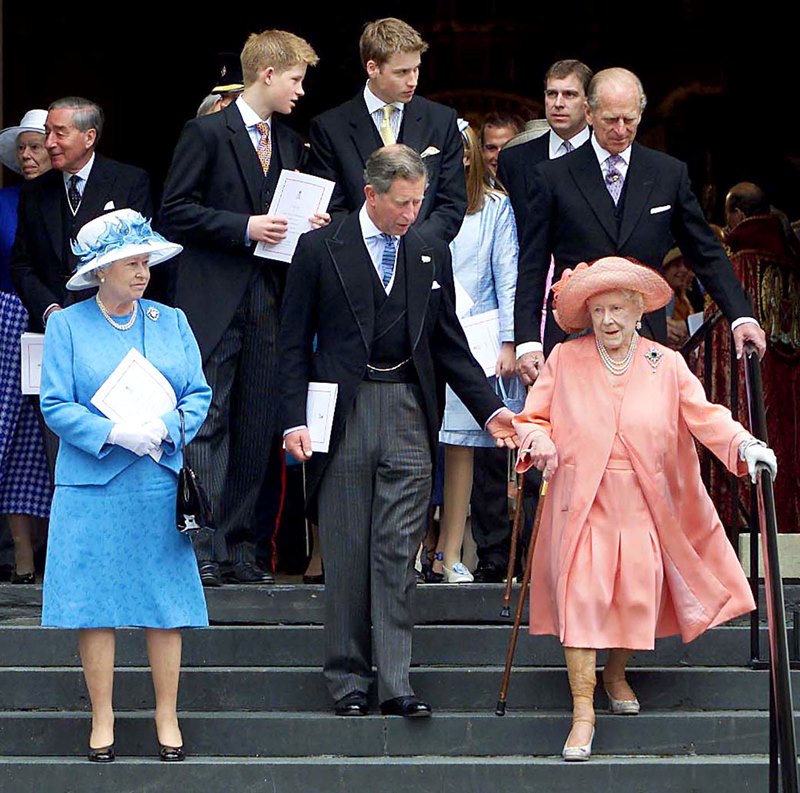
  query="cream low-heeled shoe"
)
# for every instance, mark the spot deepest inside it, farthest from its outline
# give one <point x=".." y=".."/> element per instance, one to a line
<point x="577" y="754"/>
<point x="621" y="707"/>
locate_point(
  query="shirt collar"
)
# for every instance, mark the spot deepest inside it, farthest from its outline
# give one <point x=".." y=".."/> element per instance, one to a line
<point x="249" y="116"/>
<point x="83" y="173"/>
<point x="374" y="103"/>
<point x="603" y="155"/>
<point x="368" y="228"/>
<point x="576" y="140"/>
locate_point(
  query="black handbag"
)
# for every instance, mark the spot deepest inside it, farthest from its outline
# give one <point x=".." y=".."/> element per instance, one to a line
<point x="193" y="507"/>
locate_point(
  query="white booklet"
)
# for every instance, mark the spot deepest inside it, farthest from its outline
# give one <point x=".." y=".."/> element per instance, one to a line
<point x="320" y="407"/>
<point x="31" y="349"/>
<point x="297" y="197"/>
<point x="483" y="335"/>
<point x="135" y="392"/>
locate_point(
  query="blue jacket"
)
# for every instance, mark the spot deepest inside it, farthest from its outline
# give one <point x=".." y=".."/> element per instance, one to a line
<point x="77" y="360"/>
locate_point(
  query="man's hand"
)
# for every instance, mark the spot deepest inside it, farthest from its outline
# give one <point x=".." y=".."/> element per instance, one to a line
<point x="267" y="228"/>
<point x="749" y="331"/>
<point x="677" y="332"/>
<point x="502" y="430"/>
<point x="506" y="362"/>
<point x="319" y="219"/>
<point x="541" y="451"/>
<point x="298" y="444"/>
<point x="529" y="365"/>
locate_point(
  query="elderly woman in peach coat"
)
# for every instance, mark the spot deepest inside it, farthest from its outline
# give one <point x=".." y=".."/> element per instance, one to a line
<point x="630" y="546"/>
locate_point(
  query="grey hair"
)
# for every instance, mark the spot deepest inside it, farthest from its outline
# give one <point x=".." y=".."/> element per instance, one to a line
<point x="87" y="114"/>
<point x="388" y="163"/>
<point x="614" y="75"/>
<point x="207" y="105"/>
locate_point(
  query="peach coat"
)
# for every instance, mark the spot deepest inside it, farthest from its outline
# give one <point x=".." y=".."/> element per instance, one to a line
<point x="663" y="407"/>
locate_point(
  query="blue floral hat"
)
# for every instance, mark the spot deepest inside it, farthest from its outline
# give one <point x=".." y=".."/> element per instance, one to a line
<point x="114" y="236"/>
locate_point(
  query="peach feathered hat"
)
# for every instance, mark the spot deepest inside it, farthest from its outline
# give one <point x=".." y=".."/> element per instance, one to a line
<point x="610" y="273"/>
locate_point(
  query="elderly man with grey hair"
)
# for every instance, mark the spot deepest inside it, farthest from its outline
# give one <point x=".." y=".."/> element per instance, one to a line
<point x="615" y="197"/>
<point x="379" y="298"/>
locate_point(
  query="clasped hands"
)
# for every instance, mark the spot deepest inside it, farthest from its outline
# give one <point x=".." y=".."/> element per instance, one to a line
<point x="139" y="438"/>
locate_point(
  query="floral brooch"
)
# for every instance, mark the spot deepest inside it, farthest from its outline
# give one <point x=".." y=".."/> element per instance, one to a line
<point x="653" y="357"/>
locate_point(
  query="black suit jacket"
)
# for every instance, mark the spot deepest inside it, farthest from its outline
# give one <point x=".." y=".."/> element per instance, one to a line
<point x="39" y="267"/>
<point x="343" y="138"/>
<point x="571" y="216"/>
<point x="515" y="171"/>
<point x="214" y="185"/>
<point x="328" y="295"/>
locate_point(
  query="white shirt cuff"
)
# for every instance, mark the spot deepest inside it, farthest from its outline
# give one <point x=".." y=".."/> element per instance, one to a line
<point x="741" y="321"/>
<point x="294" y="429"/>
<point x="529" y="346"/>
<point x="492" y="416"/>
<point x="48" y="311"/>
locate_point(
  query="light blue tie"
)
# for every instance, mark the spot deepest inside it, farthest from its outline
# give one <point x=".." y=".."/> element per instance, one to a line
<point x="388" y="257"/>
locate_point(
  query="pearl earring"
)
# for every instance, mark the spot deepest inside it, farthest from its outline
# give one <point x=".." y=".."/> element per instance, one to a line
<point x="103" y="280"/>
<point x="638" y="324"/>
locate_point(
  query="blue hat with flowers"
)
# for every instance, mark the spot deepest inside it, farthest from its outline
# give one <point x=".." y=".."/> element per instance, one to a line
<point x="116" y="235"/>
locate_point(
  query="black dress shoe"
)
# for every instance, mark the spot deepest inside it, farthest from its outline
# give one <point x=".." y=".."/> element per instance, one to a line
<point x="209" y="574"/>
<point x="489" y="573"/>
<point x="24" y="578"/>
<point x="352" y="704"/>
<point x="411" y="707"/>
<point x="246" y="573"/>
<point x="314" y="579"/>
<point x="104" y="755"/>
<point x="171" y="754"/>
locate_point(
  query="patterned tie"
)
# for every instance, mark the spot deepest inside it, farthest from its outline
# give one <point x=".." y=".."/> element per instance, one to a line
<point x="264" y="146"/>
<point x="73" y="194"/>
<point x="614" y="178"/>
<point x="387" y="134"/>
<point x="387" y="259"/>
<point x="565" y="148"/>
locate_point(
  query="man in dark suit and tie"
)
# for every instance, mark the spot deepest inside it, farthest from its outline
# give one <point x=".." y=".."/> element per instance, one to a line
<point x="616" y="197"/>
<point x="81" y="185"/>
<point x="388" y="110"/>
<point x="218" y="189"/>
<point x="379" y="298"/>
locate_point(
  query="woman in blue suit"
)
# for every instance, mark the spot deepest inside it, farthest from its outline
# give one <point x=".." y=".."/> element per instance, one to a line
<point x="114" y="556"/>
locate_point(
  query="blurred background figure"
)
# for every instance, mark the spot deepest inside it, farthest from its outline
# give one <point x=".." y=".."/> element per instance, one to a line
<point x="228" y="84"/>
<point x="496" y="131"/>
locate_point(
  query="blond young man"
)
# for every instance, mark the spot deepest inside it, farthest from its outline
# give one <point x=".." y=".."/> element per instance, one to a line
<point x="220" y="184"/>
<point x="389" y="110"/>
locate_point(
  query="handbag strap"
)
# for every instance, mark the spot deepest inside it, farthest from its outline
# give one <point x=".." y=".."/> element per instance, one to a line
<point x="183" y="431"/>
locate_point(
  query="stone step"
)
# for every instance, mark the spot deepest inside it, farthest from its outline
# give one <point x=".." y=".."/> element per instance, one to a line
<point x="734" y="774"/>
<point x="300" y="645"/>
<point x="448" y="688"/>
<point x="304" y="604"/>
<point x="539" y="733"/>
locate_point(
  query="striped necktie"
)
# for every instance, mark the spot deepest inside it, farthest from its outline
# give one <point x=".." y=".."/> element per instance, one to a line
<point x="387" y="258"/>
<point x="264" y="150"/>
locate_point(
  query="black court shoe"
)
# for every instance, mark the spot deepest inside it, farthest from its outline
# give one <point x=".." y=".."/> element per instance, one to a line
<point x="171" y="754"/>
<point x="104" y="755"/>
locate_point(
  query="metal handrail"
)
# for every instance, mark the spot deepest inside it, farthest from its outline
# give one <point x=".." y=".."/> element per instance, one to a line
<point x="782" y="739"/>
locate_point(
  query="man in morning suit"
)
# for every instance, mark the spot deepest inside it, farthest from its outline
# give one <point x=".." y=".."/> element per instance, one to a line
<point x="218" y="189"/>
<point x="81" y="185"/>
<point x="379" y="298"/>
<point x="616" y="197"/>
<point x="388" y="110"/>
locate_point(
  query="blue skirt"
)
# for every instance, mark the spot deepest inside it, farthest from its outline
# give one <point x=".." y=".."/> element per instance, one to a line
<point x="115" y="558"/>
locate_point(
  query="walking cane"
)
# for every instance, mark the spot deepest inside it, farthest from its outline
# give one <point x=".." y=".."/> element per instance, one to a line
<point x="512" y="554"/>
<point x="500" y="708"/>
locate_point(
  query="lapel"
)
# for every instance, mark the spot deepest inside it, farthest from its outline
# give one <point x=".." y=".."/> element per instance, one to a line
<point x="350" y="260"/>
<point x="588" y="177"/>
<point x="51" y="208"/>
<point x="411" y="130"/>
<point x="245" y="155"/>
<point x="280" y="142"/>
<point x="362" y="129"/>
<point x="419" y="280"/>
<point x="639" y="182"/>
<point x="96" y="193"/>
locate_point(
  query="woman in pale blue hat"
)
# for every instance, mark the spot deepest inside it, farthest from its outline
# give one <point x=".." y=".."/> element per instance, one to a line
<point x="115" y="557"/>
<point x="24" y="479"/>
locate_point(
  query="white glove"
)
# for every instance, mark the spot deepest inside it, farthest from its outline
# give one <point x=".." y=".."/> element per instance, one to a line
<point x="141" y="439"/>
<point x="158" y="426"/>
<point x="753" y="451"/>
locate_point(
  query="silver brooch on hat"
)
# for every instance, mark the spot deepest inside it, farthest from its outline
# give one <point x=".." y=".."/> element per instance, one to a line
<point x="653" y="357"/>
<point x="153" y="313"/>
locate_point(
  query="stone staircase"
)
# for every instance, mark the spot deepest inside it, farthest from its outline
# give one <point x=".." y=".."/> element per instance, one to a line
<point x="256" y="715"/>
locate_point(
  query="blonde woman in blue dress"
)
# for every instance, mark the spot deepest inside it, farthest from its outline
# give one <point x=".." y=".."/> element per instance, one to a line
<point x="484" y="254"/>
<point x="114" y="555"/>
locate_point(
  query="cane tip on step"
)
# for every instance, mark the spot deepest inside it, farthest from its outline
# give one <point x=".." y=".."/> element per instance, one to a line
<point x="505" y="612"/>
<point x="500" y="708"/>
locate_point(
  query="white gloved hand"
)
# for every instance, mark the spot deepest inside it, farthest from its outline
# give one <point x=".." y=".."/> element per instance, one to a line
<point x="158" y="426"/>
<point x="138" y="438"/>
<point x="754" y="451"/>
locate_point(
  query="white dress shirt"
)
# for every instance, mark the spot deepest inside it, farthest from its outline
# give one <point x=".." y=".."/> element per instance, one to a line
<point x="375" y="109"/>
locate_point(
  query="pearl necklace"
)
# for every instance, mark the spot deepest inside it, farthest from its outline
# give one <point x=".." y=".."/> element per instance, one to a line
<point x="617" y="368"/>
<point x="118" y="325"/>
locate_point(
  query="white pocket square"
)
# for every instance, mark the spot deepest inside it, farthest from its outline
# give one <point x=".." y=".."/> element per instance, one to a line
<point x="436" y="285"/>
<point x="657" y="210"/>
<point x="109" y="206"/>
<point x="429" y="152"/>
<point x="425" y="258"/>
